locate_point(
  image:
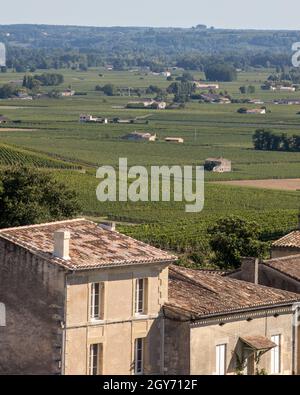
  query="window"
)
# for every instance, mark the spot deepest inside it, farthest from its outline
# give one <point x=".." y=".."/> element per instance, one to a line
<point x="138" y="356"/>
<point x="96" y="301"/>
<point x="95" y="358"/>
<point x="275" y="355"/>
<point x="221" y="359"/>
<point x="140" y="289"/>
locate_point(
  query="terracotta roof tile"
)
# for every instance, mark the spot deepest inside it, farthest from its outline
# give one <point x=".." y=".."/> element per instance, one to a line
<point x="290" y="240"/>
<point x="90" y="245"/>
<point x="289" y="265"/>
<point x="195" y="294"/>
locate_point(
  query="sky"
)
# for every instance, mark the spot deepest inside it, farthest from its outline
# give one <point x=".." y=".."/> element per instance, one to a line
<point x="253" y="14"/>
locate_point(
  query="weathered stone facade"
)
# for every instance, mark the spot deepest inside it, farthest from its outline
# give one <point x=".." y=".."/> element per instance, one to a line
<point x="32" y="290"/>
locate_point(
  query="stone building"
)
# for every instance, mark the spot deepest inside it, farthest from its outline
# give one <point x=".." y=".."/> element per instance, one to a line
<point x="80" y="299"/>
<point x="216" y="325"/>
<point x="84" y="299"/>
<point x="287" y="245"/>
<point x="218" y="165"/>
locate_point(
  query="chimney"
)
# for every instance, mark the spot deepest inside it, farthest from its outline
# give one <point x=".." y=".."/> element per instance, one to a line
<point x="249" y="270"/>
<point x="62" y="244"/>
<point x="108" y="226"/>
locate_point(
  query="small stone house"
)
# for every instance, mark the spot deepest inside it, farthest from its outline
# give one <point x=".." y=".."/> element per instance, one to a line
<point x="218" y="165"/>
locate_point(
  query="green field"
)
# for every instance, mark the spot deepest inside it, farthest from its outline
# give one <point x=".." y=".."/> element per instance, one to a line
<point x="59" y="142"/>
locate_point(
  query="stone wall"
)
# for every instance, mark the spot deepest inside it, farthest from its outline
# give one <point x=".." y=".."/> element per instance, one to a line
<point x="177" y="347"/>
<point x="33" y="292"/>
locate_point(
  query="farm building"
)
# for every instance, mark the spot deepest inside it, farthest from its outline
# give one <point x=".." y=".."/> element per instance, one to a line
<point x="256" y="111"/>
<point x="140" y="136"/>
<point x="166" y="74"/>
<point x="214" y="98"/>
<point x="147" y="103"/>
<point x="3" y="119"/>
<point x="289" y="102"/>
<point x="179" y="140"/>
<point x="89" y="118"/>
<point x="287" y="88"/>
<point x="217" y="165"/>
<point x="252" y="111"/>
<point x="201" y="85"/>
<point x="67" y="93"/>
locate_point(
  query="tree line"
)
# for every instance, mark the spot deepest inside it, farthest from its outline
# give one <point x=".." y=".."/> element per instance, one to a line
<point x="267" y="140"/>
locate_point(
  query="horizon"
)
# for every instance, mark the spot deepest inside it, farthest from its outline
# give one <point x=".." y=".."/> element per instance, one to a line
<point x="149" y="27"/>
<point x="169" y="14"/>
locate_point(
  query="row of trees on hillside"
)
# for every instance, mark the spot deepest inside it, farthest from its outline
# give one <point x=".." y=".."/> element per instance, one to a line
<point x="267" y="140"/>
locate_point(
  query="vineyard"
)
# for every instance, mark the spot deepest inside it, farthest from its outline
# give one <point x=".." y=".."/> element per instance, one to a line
<point x="10" y="155"/>
<point x="48" y="135"/>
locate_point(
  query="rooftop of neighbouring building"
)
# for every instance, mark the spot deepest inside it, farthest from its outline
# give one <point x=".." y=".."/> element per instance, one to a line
<point x="211" y="294"/>
<point x="91" y="246"/>
<point x="289" y="265"/>
<point x="291" y="240"/>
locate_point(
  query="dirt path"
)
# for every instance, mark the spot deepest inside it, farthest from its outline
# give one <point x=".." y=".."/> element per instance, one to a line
<point x="289" y="184"/>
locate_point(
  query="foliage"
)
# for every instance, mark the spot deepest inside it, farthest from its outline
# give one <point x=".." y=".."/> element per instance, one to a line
<point x="232" y="238"/>
<point x="266" y="140"/>
<point x="220" y="72"/>
<point x="28" y="196"/>
<point x="8" y="90"/>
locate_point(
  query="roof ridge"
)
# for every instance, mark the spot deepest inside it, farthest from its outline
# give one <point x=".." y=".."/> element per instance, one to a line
<point x="281" y="258"/>
<point x="45" y="224"/>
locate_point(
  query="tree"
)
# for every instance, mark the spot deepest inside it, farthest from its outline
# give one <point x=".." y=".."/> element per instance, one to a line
<point x="232" y="238"/>
<point x="109" y="90"/>
<point x="220" y="72"/>
<point x="243" y="90"/>
<point x="29" y="196"/>
<point x="7" y="91"/>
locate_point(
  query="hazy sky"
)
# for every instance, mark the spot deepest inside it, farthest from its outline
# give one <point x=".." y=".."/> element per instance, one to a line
<point x="266" y="14"/>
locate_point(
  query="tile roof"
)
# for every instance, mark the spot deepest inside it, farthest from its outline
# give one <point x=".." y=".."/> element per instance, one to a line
<point x="258" y="343"/>
<point x="289" y="265"/>
<point x="90" y="245"/>
<point x="194" y="294"/>
<point x="290" y="240"/>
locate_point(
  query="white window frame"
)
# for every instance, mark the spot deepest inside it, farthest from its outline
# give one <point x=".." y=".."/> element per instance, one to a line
<point x="221" y="352"/>
<point x="276" y="355"/>
<point x="96" y="301"/>
<point x="139" y="363"/>
<point x="140" y="289"/>
<point x="95" y="353"/>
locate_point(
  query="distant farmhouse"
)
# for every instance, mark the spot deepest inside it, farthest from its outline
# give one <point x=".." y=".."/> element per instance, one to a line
<point x="218" y="165"/>
<point x="179" y="140"/>
<point x="289" y="102"/>
<point x="201" y="85"/>
<point x="214" y="98"/>
<point x="147" y="103"/>
<point x="280" y="88"/>
<point x="261" y="111"/>
<point x="67" y="93"/>
<point x="85" y="118"/>
<point x="140" y="136"/>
